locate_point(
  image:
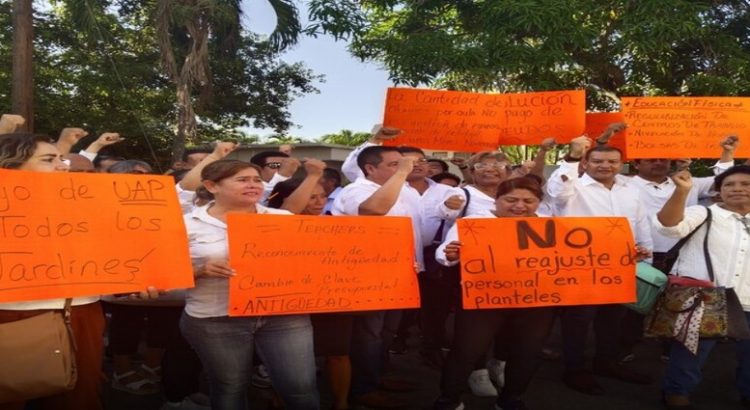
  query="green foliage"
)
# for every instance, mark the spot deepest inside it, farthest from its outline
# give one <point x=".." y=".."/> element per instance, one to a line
<point x="115" y="83"/>
<point x="345" y="137"/>
<point x="611" y="47"/>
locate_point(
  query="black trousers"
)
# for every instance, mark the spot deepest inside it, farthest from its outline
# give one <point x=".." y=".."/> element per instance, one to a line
<point x="525" y="330"/>
<point x="575" y="321"/>
<point x="439" y="295"/>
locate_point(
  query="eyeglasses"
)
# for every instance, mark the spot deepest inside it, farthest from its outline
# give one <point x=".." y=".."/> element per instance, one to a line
<point x="484" y="165"/>
<point x="273" y="165"/>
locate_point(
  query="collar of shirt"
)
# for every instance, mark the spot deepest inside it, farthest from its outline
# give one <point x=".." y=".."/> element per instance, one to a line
<point x="334" y="193"/>
<point x="720" y="212"/>
<point x="201" y="213"/>
<point x="644" y="182"/>
<point x="619" y="180"/>
<point x="430" y="185"/>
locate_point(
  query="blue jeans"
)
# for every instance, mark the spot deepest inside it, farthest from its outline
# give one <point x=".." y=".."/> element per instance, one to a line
<point x="684" y="369"/>
<point x="225" y="346"/>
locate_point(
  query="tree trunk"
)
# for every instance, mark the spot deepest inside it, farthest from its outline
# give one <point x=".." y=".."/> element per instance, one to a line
<point x="22" y="92"/>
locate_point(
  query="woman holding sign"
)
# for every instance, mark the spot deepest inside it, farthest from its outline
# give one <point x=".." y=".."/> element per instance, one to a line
<point x="27" y="152"/>
<point x="225" y="344"/>
<point x="476" y="329"/>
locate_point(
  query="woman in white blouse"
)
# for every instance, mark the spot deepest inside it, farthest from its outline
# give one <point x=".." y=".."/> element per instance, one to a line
<point x="524" y="330"/>
<point x="729" y="251"/>
<point x="225" y="344"/>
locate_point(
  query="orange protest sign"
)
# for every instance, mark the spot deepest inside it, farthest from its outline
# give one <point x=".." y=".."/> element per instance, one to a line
<point x="527" y="262"/>
<point x="597" y="123"/>
<point x="463" y="121"/>
<point x="290" y="264"/>
<point x="685" y="127"/>
<point x="78" y="234"/>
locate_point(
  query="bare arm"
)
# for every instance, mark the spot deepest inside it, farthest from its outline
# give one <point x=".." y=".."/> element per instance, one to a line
<point x="192" y="180"/>
<point x="297" y="200"/>
<point x="69" y="137"/>
<point x="673" y="210"/>
<point x="464" y="168"/>
<point x="728" y="147"/>
<point x="382" y="200"/>
<point x="541" y="157"/>
<point x="9" y="123"/>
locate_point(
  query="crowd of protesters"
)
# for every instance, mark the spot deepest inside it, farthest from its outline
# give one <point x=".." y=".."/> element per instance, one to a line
<point x="494" y="352"/>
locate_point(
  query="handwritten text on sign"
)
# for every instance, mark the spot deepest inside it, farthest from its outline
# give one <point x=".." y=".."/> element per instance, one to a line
<point x="597" y="123"/>
<point x="305" y="264"/>
<point x="685" y="127"/>
<point x="526" y="262"/>
<point x="463" y="121"/>
<point x="77" y="234"/>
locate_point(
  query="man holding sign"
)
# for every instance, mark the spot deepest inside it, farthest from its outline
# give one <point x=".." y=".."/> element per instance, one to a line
<point x="600" y="191"/>
<point x="380" y="192"/>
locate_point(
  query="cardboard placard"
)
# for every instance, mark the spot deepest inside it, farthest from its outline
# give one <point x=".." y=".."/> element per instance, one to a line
<point x="78" y="234"/>
<point x="685" y="127"/>
<point x="530" y="262"/>
<point x="289" y="264"/>
<point x="597" y="122"/>
<point x="471" y="122"/>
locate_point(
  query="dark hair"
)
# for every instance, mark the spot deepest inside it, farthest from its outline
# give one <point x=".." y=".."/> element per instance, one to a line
<point x="17" y="148"/>
<point x="737" y="169"/>
<point x="281" y="191"/>
<point x="105" y="157"/>
<point x="373" y="156"/>
<point x="219" y="170"/>
<point x="603" y="148"/>
<point x="259" y="159"/>
<point x="195" y="150"/>
<point x="443" y="164"/>
<point x="524" y="182"/>
<point x="179" y="174"/>
<point x="446" y="175"/>
<point x="332" y="174"/>
<point x="128" y="166"/>
<point x="405" y="149"/>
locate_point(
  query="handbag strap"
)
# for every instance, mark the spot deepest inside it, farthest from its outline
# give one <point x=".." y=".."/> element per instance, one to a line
<point x="675" y="250"/>
<point x="438" y="238"/>
<point x="67" y="310"/>
<point x="706" y="255"/>
<point x="466" y="206"/>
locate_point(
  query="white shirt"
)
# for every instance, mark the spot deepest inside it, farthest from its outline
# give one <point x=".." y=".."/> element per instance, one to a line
<point x="654" y="195"/>
<point x="433" y="211"/>
<point x="407" y="204"/>
<point x="349" y="168"/>
<point x="479" y="202"/>
<point x="268" y="186"/>
<point x="452" y="235"/>
<point x="207" y="237"/>
<point x="585" y="196"/>
<point x="330" y="199"/>
<point x="728" y="247"/>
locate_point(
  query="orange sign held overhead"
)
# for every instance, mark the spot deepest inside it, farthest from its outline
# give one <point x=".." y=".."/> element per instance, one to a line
<point x="597" y="123"/>
<point x="463" y="121"/>
<point x="289" y="264"/>
<point x="531" y="262"/>
<point x="685" y="127"/>
<point x="77" y="234"/>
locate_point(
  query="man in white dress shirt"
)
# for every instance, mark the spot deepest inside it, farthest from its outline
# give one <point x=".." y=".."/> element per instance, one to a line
<point x="600" y="191"/>
<point x="380" y="192"/>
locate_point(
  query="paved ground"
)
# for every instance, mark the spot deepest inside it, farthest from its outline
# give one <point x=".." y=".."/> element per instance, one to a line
<point x="717" y="391"/>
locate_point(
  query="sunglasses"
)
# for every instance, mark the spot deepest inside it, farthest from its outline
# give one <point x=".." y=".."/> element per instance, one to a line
<point x="273" y="165"/>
